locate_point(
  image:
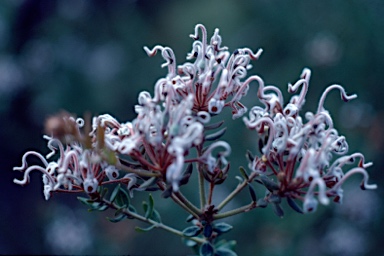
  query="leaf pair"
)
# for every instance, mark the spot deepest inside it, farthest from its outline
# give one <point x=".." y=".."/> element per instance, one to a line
<point x="150" y="213"/>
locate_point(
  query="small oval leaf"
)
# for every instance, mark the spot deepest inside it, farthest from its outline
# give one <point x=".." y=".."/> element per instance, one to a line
<point x="252" y="193"/>
<point x="269" y="184"/>
<point x="262" y="203"/>
<point x="278" y="210"/>
<point x="243" y="173"/>
<point x="250" y="156"/>
<point x="222" y="227"/>
<point x="192" y="231"/>
<point x="208" y="230"/>
<point x="149" y="211"/>
<point x="114" y="193"/>
<point x="216" y="135"/>
<point x="117" y="219"/>
<point x="139" y="229"/>
<point x="274" y="199"/>
<point x="207" y="249"/>
<point x="147" y="183"/>
<point x="294" y="205"/>
<point x="213" y="126"/>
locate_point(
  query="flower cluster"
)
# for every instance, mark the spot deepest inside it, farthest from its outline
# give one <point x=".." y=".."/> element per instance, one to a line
<point x="153" y="150"/>
<point x="214" y="78"/>
<point x="300" y="153"/>
<point x="168" y="125"/>
<point x="80" y="166"/>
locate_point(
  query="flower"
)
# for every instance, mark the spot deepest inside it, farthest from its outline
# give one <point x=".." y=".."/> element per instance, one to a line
<point x="214" y="78"/>
<point x="310" y="146"/>
<point x="77" y="168"/>
<point x="306" y="154"/>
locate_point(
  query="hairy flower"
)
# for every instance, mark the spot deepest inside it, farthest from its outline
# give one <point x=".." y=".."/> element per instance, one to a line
<point x="310" y="146"/>
<point x="214" y="78"/>
<point x="77" y="168"/>
<point x="306" y="154"/>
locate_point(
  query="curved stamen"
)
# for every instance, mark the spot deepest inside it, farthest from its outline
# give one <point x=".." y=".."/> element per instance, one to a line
<point x="256" y="123"/>
<point x="204" y="36"/>
<point x="293" y="88"/>
<point x="207" y="157"/>
<point x="356" y="170"/>
<point x="322" y="190"/>
<point x="168" y="56"/>
<point x="343" y="95"/>
<point x="25" y="179"/>
<point x="24" y="163"/>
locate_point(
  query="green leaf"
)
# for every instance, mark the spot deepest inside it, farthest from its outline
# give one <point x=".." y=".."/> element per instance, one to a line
<point x="122" y="198"/>
<point x="190" y="243"/>
<point x="145" y="206"/>
<point x="262" y="203"/>
<point x="117" y="218"/>
<point x="167" y="192"/>
<point x="252" y="193"/>
<point x="125" y="193"/>
<point x="243" y="173"/>
<point x="147" y="183"/>
<point x="149" y="210"/>
<point x="278" y="210"/>
<point x="207" y="249"/>
<point x="84" y="200"/>
<point x="208" y="230"/>
<point x="222" y="227"/>
<point x="156" y="216"/>
<point x="249" y="156"/>
<point x="119" y="211"/>
<point x="213" y="126"/>
<point x="240" y="179"/>
<point x="294" y="205"/>
<point x="187" y="174"/>
<point x="139" y="229"/>
<point x="226" y="244"/>
<point x="131" y="209"/>
<point x="274" y="199"/>
<point x="190" y="218"/>
<point x="98" y="207"/>
<point x="103" y="192"/>
<point x="269" y="184"/>
<point x="114" y="193"/>
<point x="192" y="231"/>
<point x="216" y="135"/>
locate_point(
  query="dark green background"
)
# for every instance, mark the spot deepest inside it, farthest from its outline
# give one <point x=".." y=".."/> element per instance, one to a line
<point x="87" y="56"/>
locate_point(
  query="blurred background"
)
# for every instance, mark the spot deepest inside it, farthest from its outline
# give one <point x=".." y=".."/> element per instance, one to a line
<point x="80" y="56"/>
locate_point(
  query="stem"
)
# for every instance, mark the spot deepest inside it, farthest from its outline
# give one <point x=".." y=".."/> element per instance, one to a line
<point x="201" y="189"/>
<point x="210" y="195"/>
<point x="201" y="182"/>
<point x="183" y="202"/>
<point x="139" y="172"/>
<point x="152" y="222"/>
<point x="193" y="209"/>
<point x="271" y="167"/>
<point x="242" y="209"/>
<point x="236" y="191"/>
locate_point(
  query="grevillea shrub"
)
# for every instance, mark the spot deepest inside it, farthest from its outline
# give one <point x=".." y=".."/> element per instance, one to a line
<point x="302" y="157"/>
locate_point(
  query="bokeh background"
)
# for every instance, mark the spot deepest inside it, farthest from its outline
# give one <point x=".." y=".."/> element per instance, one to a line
<point x="80" y="56"/>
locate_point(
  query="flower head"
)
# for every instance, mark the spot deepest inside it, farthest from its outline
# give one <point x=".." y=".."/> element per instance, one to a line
<point x="310" y="146"/>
